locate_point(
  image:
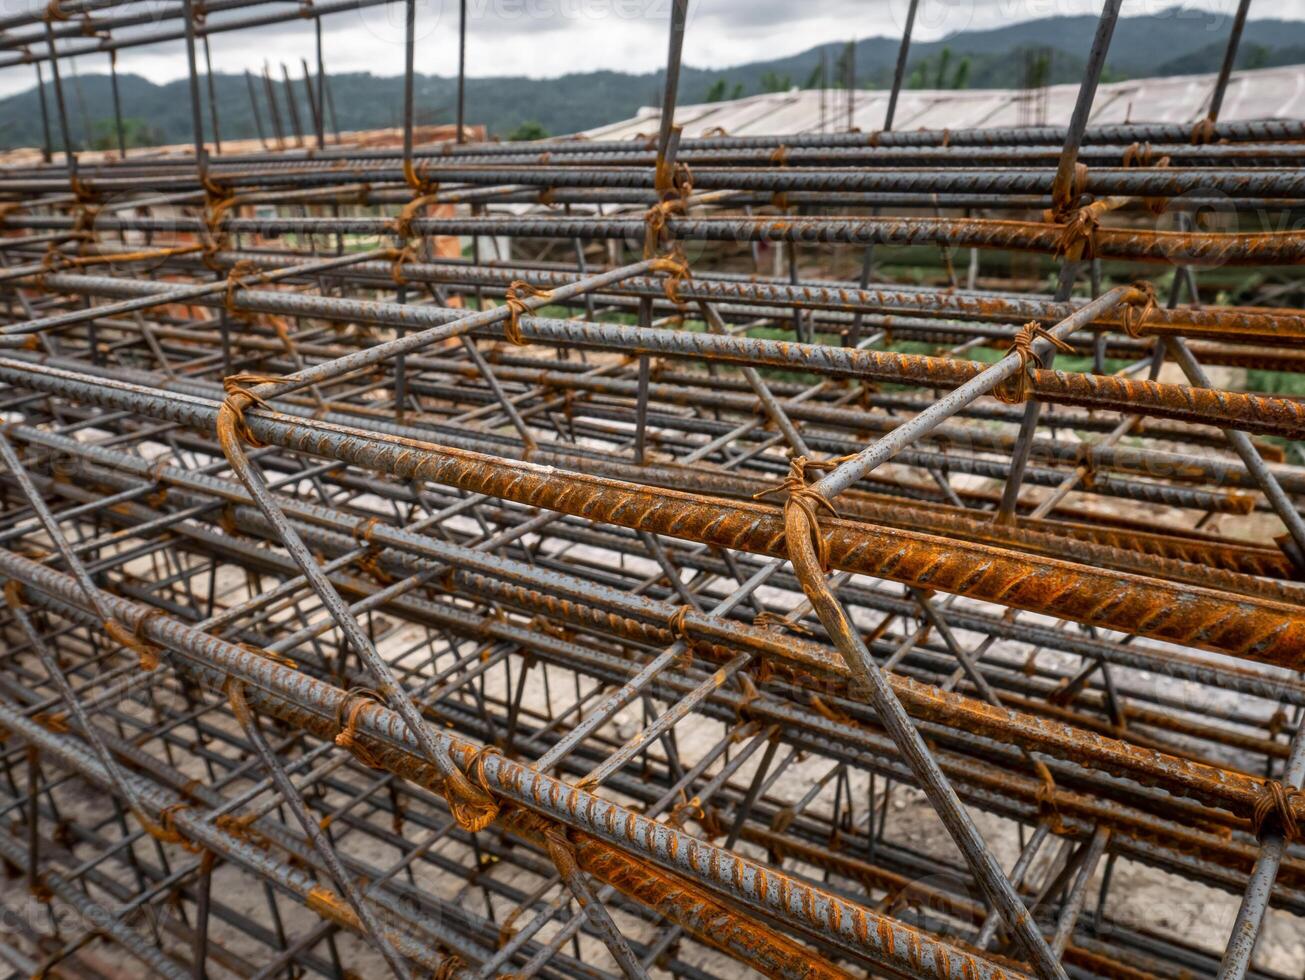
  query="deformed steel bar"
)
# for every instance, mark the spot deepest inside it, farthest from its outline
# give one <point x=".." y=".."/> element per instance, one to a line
<point x="1277" y="688"/>
<point x="1234" y="325"/>
<point x="1273" y="846"/>
<point x="1216" y="248"/>
<point x="1259" y="629"/>
<point x="281" y="691"/>
<point x="478" y="589"/>
<point x="479" y="425"/>
<point x="1271" y="688"/>
<point x="176" y="34"/>
<point x="1250" y="413"/>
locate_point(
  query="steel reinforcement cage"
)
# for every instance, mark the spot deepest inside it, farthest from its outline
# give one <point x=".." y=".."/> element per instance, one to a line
<point x="585" y="559"/>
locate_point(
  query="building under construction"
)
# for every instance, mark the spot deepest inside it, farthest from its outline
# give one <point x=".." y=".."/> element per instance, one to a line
<point x="848" y="551"/>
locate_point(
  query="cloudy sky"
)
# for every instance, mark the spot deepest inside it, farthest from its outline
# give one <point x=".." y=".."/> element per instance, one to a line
<point x="542" y="38"/>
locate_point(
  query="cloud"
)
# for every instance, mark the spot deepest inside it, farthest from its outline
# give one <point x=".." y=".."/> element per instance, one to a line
<point x="545" y="38"/>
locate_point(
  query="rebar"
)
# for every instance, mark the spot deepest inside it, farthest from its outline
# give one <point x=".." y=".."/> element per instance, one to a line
<point x="586" y="558"/>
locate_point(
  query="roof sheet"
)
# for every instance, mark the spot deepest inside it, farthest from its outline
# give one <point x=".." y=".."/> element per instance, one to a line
<point x="1266" y="93"/>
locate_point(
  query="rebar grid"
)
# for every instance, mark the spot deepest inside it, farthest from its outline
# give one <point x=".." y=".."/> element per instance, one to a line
<point x="648" y="582"/>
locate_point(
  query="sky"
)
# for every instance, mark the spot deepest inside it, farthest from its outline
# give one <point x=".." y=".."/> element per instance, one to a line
<point x="545" y="38"/>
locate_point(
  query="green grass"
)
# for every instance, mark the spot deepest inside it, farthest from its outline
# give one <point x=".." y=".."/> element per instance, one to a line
<point x="1279" y="383"/>
<point x="1275" y="382"/>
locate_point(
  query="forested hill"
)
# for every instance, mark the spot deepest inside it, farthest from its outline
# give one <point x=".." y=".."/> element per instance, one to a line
<point x="1043" y="51"/>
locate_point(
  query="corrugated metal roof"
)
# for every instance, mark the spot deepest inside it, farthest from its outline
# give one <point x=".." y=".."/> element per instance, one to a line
<point x="1266" y="93"/>
<point x="359" y="138"/>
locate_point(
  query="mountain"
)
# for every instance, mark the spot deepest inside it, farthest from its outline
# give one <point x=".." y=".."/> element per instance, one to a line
<point x="1051" y="50"/>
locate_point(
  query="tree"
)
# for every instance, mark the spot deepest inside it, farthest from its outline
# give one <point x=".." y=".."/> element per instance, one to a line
<point x="934" y="73"/>
<point x="717" y="91"/>
<point x="844" y="65"/>
<point x="944" y="59"/>
<point x="817" y="77"/>
<point x="1256" y="56"/>
<point x="962" y="77"/>
<point x="738" y="91"/>
<point x="135" y="132"/>
<point x="1037" y="69"/>
<point x="771" y="82"/>
<point x="528" y="130"/>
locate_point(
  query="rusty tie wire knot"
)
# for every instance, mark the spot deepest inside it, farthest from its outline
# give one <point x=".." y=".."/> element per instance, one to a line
<point x="830" y="714"/>
<point x="83" y="192"/>
<point x="399" y="257"/>
<point x="449" y="967"/>
<point x="226" y="519"/>
<point x="166" y="832"/>
<point x="783" y="819"/>
<point x="134" y="639"/>
<point x="403" y="223"/>
<point x="542" y="624"/>
<point x="1277" y="722"/>
<point x="689" y="808"/>
<point x="673" y="186"/>
<point x="678" y="625"/>
<point x="276" y="658"/>
<point x="425" y="192"/>
<point x="368" y="563"/>
<point x="1143" y="296"/>
<point x="14" y="594"/>
<point x="347" y="715"/>
<point x="52" y="261"/>
<point x="218" y="200"/>
<point x="365" y="530"/>
<point x="1067" y="191"/>
<point x="806" y="500"/>
<point x="1275" y="810"/>
<point x="743" y="710"/>
<point x="1015" y="389"/>
<point x="473" y="804"/>
<point x="1045" y="797"/>
<point x="515" y="301"/>
<point x="779" y="158"/>
<point x="1137" y="155"/>
<point x="283" y="334"/>
<point x="417" y="178"/>
<point x="508" y="930"/>
<point x="1203" y="132"/>
<point x="676" y="267"/>
<point x="239" y="398"/>
<point x="1078" y="239"/>
<point x="492" y="619"/>
<point x="238" y="825"/>
<point x="54" y="721"/>
<point x="329" y="905"/>
<point x="41" y="891"/>
<point x="236" y="281"/>
<point x="1141" y="155"/>
<point x="768" y="620"/>
<point x="82" y="231"/>
<point x="677" y="180"/>
<point x="655" y="219"/>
